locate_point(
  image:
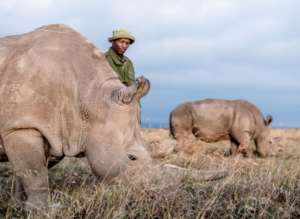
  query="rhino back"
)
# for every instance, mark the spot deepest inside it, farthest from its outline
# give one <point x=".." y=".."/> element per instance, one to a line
<point x="212" y="118"/>
<point x="47" y="77"/>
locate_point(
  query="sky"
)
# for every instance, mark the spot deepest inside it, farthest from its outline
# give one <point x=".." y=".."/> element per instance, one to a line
<point x="189" y="49"/>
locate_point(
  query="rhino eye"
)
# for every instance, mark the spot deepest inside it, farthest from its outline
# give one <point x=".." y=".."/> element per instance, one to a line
<point x="132" y="157"/>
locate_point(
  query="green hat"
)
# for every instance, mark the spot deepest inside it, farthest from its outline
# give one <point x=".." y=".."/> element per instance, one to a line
<point x="121" y="33"/>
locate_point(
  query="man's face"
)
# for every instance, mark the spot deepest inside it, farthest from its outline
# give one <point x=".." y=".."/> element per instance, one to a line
<point x="120" y="45"/>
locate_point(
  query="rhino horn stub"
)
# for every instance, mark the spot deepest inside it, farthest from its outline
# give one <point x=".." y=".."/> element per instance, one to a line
<point x="200" y="175"/>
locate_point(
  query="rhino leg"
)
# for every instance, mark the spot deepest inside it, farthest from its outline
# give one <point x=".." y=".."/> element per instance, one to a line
<point x="18" y="191"/>
<point x="25" y="150"/>
<point x="244" y="142"/>
<point x="233" y="150"/>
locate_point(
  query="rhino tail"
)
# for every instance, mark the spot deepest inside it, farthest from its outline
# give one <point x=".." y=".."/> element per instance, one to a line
<point x="171" y="128"/>
<point x="268" y="120"/>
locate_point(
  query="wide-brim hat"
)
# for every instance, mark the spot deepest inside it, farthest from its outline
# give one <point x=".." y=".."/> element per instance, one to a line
<point x="121" y="33"/>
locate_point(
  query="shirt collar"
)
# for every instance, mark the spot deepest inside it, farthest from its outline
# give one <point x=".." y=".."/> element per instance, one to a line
<point x="116" y="58"/>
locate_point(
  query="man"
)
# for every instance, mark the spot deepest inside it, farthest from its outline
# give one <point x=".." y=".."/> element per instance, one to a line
<point x="120" y="41"/>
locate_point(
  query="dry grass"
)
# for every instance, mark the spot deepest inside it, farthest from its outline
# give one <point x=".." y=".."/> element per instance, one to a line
<point x="255" y="188"/>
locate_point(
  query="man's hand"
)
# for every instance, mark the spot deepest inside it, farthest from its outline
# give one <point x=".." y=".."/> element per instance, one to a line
<point x="143" y="86"/>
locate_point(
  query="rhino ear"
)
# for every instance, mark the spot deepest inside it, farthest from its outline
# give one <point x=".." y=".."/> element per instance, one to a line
<point x="268" y="120"/>
<point x="143" y="87"/>
<point x="124" y="95"/>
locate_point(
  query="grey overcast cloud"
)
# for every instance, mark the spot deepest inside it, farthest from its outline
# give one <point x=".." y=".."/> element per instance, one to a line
<point x="189" y="49"/>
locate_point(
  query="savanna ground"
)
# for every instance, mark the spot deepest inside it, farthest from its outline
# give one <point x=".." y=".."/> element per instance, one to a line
<point x="255" y="187"/>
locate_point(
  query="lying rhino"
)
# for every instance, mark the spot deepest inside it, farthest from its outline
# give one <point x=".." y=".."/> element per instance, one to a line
<point x="59" y="97"/>
<point x="212" y="120"/>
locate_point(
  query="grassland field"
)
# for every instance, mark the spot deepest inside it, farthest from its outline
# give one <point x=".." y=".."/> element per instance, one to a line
<point x="255" y="187"/>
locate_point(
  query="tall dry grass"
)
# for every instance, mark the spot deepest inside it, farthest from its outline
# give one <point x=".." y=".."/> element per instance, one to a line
<point x="255" y="188"/>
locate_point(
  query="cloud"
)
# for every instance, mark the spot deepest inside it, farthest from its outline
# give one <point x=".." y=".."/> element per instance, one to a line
<point x="21" y="8"/>
<point x="197" y="46"/>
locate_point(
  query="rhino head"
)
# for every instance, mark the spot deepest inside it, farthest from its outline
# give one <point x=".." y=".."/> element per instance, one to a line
<point x="264" y="142"/>
<point x="114" y="139"/>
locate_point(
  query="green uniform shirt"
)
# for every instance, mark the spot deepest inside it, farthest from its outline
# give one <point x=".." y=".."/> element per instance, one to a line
<point x="122" y="66"/>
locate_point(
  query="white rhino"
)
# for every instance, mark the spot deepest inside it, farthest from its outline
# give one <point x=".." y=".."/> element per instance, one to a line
<point x="59" y="97"/>
<point x="212" y="120"/>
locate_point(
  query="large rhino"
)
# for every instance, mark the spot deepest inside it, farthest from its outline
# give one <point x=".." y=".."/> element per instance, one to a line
<point x="59" y="97"/>
<point x="212" y="120"/>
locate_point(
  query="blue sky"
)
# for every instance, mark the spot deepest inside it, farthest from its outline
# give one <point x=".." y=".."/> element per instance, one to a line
<point x="190" y="49"/>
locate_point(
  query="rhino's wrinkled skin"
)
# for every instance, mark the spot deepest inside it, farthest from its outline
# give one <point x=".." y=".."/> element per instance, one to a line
<point x="212" y="120"/>
<point x="60" y="97"/>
